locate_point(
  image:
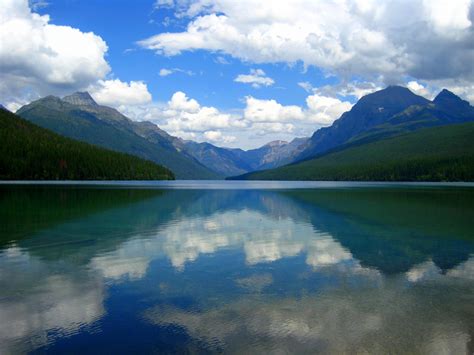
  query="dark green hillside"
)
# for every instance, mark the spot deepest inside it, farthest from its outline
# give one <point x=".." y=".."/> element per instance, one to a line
<point x="29" y="152"/>
<point x="78" y="117"/>
<point x="433" y="154"/>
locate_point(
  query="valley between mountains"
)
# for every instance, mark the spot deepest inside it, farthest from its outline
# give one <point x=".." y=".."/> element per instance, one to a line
<point x="389" y="135"/>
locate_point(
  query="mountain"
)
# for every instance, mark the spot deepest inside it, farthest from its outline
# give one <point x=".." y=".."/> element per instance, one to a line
<point x="223" y="161"/>
<point x="79" y="117"/>
<point x="231" y="162"/>
<point x="81" y="99"/>
<point x="273" y="154"/>
<point x="430" y="154"/>
<point x="445" y="109"/>
<point x="368" y="128"/>
<point x="370" y="111"/>
<point x="29" y="152"/>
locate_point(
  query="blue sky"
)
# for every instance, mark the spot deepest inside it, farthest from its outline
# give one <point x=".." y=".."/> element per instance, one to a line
<point x="212" y="83"/>
<point x="236" y="74"/>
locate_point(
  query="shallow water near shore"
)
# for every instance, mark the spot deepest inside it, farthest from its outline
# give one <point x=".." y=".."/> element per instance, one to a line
<point x="238" y="267"/>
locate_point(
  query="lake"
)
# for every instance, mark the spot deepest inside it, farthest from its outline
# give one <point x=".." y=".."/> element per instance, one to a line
<point x="237" y="267"/>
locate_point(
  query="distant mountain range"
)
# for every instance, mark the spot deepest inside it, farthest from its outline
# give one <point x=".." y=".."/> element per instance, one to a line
<point x="78" y="116"/>
<point x="429" y="154"/>
<point x="230" y="162"/>
<point x="387" y="136"/>
<point x="29" y="152"/>
<point x="366" y="128"/>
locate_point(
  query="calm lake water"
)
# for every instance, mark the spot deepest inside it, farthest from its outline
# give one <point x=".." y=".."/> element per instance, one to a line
<point x="233" y="267"/>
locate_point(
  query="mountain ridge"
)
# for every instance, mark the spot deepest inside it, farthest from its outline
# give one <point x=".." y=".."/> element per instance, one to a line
<point x="427" y="154"/>
<point x="218" y="161"/>
<point x="370" y="111"/>
<point x="31" y="152"/>
<point x="107" y="127"/>
<point x="379" y="115"/>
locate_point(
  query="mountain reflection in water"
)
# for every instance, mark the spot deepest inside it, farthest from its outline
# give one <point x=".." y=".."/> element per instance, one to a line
<point x="324" y="270"/>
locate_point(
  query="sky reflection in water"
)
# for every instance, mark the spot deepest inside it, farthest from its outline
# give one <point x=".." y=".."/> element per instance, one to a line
<point x="329" y="270"/>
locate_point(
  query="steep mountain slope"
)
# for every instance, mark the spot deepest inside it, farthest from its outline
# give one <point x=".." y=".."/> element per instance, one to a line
<point x="231" y="162"/>
<point x="430" y="154"/>
<point x="78" y="116"/>
<point x="370" y="111"/>
<point x="29" y="152"/>
<point x="446" y="108"/>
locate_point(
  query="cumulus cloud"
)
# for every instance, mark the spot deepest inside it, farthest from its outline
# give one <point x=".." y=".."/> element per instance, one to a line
<point x="270" y="111"/>
<point x="256" y="78"/>
<point x="185" y="114"/>
<point x="323" y="110"/>
<point x="218" y="137"/>
<point x="320" y="111"/>
<point x="361" y="38"/>
<point x="39" y="58"/>
<point x="185" y="117"/>
<point x="116" y="93"/>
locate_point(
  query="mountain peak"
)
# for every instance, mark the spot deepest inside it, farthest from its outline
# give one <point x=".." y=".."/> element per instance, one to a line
<point x="446" y="95"/>
<point x="395" y="96"/>
<point x="394" y="93"/>
<point x="80" y="99"/>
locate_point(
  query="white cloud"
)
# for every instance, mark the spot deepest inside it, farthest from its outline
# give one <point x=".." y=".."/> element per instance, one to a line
<point x="260" y="121"/>
<point x="180" y="102"/>
<point x="256" y="78"/>
<point x="221" y="60"/>
<point x="166" y="72"/>
<point x="321" y="110"/>
<point x="184" y="117"/>
<point x="420" y="89"/>
<point x="306" y="86"/>
<point x="38" y="4"/>
<point x="390" y="40"/>
<point x="266" y="128"/>
<point x="164" y="3"/>
<point x="271" y="111"/>
<point x="218" y="137"/>
<point x="117" y="93"/>
<point x="39" y="58"/>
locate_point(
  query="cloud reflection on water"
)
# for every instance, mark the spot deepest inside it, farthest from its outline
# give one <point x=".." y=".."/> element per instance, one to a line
<point x="57" y="286"/>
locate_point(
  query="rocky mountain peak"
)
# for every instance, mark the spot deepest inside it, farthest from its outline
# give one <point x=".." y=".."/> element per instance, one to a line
<point x="80" y="99"/>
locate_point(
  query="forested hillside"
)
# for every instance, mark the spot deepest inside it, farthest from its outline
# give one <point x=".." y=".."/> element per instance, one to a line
<point x="29" y="152"/>
<point x="432" y="154"/>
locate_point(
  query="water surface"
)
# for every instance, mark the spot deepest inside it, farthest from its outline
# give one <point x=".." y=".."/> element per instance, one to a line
<point x="238" y="268"/>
